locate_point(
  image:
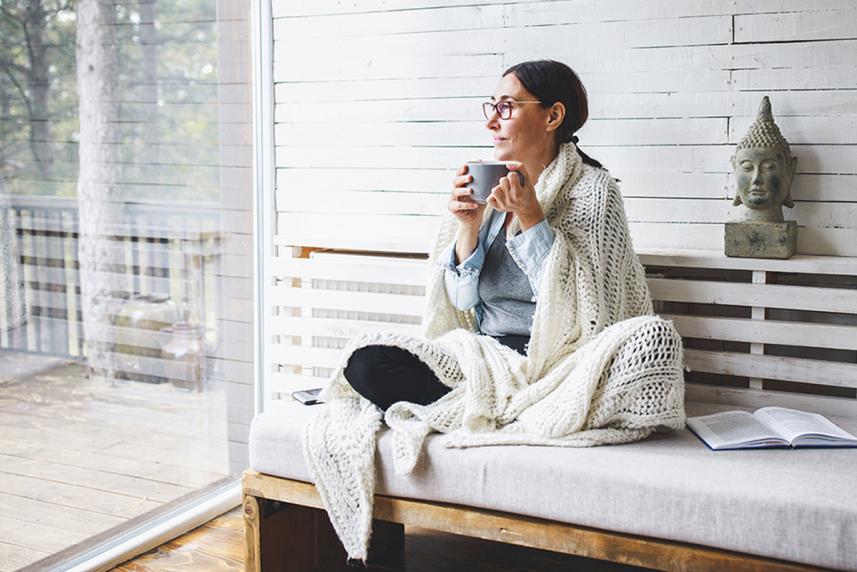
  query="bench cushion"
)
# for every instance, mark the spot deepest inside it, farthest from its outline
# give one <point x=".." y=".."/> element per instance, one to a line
<point x="798" y="505"/>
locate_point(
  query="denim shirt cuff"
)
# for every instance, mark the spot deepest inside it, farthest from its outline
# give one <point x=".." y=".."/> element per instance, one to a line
<point x="471" y="265"/>
<point x="530" y="248"/>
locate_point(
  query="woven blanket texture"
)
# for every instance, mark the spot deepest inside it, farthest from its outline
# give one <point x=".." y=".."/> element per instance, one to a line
<point x="600" y="368"/>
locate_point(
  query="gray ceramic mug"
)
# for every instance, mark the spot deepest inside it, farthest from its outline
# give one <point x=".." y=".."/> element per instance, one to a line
<point x="486" y="175"/>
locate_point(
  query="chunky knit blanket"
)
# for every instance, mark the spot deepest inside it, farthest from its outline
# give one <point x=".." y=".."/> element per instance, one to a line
<point x="600" y="368"/>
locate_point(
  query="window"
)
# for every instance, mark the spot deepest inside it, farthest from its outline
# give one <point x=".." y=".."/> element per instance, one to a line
<point x="126" y="278"/>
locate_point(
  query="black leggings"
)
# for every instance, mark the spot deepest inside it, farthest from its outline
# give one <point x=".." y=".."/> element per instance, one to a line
<point x="387" y="374"/>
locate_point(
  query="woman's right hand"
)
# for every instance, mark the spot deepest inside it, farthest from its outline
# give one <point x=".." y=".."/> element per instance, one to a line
<point x="461" y="203"/>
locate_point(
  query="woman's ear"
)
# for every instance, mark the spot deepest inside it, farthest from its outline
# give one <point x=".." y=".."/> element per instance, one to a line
<point x="555" y="116"/>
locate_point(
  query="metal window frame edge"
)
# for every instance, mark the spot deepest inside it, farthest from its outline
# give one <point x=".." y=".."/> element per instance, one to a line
<point x="264" y="173"/>
<point x="181" y="519"/>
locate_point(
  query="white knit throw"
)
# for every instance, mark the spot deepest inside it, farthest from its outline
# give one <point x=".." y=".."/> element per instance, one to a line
<point x="600" y="368"/>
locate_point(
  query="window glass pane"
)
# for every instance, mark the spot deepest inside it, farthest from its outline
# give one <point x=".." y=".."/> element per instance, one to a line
<point x="126" y="298"/>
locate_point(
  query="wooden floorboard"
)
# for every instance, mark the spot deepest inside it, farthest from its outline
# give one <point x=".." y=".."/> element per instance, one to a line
<point x="13" y="557"/>
<point x="79" y="456"/>
<point x="219" y="545"/>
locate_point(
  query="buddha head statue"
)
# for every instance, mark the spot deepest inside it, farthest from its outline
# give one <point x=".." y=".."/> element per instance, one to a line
<point x="764" y="168"/>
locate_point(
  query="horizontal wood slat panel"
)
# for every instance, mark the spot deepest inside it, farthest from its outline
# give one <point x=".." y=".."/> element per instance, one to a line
<point x="286" y="383"/>
<point x="306" y="356"/>
<point x="336" y="328"/>
<point x="348" y="300"/>
<point x="762" y="295"/>
<point x="755" y="398"/>
<point x="699" y="131"/>
<point x="393" y="233"/>
<point x="583" y="12"/>
<point x="715" y="259"/>
<point x="407" y="233"/>
<point x="773" y="367"/>
<point x="376" y="269"/>
<point x="672" y="87"/>
<point x="766" y="331"/>
<point x="804" y="25"/>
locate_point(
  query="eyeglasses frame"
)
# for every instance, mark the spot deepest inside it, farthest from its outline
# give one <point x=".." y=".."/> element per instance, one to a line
<point x="494" y="107"/>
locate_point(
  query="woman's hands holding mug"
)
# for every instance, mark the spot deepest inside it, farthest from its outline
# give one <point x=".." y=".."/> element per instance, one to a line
<point x="461" y="203"/>
<point x="511" y="196"/>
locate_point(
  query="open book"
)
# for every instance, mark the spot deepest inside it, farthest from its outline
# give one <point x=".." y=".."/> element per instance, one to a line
<point x="768" y="427"/>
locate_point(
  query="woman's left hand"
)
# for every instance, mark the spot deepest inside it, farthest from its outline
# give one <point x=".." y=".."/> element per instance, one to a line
<point x="510" y="195"/>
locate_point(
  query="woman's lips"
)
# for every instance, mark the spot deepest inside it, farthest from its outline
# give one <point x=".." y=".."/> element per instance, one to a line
<point x="498" y="139"/>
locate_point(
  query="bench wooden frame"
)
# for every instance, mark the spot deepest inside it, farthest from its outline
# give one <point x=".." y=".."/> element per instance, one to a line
<point x="286" y="529"/>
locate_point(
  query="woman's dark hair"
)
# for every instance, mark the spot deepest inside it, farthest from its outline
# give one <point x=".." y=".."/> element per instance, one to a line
<point x="550" y="82"/>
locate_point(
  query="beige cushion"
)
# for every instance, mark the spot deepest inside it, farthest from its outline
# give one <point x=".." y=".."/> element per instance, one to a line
<point x="798" y="505"/>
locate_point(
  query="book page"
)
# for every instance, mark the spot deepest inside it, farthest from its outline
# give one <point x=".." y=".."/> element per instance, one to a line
<point x="733" y="428"/>
<point x="794" y="424"/>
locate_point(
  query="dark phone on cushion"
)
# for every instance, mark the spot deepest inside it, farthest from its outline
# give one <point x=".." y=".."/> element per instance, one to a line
<point x="307" y="397"/>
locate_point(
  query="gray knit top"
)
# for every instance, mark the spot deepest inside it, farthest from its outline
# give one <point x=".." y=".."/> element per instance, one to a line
<point x="505" y="292"/>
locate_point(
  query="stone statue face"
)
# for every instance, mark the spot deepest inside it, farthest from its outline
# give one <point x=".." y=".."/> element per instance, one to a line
<point x="763" y="183"/>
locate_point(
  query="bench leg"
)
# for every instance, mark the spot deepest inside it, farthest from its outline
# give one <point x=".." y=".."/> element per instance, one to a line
<point x="293" y="538"/>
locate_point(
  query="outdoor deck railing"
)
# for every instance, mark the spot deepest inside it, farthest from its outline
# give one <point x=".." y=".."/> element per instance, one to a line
<point x="158" y="250"/>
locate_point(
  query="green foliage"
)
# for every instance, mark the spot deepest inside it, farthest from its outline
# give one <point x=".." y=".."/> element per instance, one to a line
<point x="166" y="85"/>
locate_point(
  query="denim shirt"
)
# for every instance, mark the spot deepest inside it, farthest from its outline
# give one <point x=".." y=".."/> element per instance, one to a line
<point x="528" y="249"/>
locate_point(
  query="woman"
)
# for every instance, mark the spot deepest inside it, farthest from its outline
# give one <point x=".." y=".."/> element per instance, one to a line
<point x="535" y="108"/>
<point x="538" y="327"/>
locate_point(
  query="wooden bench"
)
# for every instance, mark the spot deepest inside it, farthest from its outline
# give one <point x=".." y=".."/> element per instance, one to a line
<point x="757" y="332"/>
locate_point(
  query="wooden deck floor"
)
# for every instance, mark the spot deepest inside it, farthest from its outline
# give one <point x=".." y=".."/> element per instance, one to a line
<point x="79" y="456"/>
<point x="219" y="545"/>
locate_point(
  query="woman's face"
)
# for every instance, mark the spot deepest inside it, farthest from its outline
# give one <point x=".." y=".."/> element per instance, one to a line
<point x="525" y="135"/>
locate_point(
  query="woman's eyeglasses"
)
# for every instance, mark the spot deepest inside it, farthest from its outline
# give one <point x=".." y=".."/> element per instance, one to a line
<point x="502" y="108"/>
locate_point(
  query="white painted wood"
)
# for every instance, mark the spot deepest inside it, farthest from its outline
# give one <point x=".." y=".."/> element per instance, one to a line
<point x="773" y="367"/>
<point x="636" y="184"/>
<point x="764" y="295"/>
<point x="758" y="313"/>
<point x="794" y="26"/>
<point x="394" y="233"/>
<point x="293" y="326"/>
<point x="298" y="180"/>
<point x="589" y="10"/>
<point x="355" y="63"/>
<point x="306" y="356"/>
<point x="390" y="22"/>
<point x="760" y="331"/>
<point x="371" y="129"/>
<point x="802" y="130"/>
<point x="353" y="268"/>
<point x="348" y="300"/>
<point x="832" y="241"/>
<point x="361" y="203"/>
<point x="679" y="236"/>
<point x="286" y="383"/>
<point x="609" y="103"/>
<point x="833" y="159"/>
<point x="701" y="131"/>
<point x="820" y="77"/>
<point x="754" y="398"/>
<point x="716" y="259"/>
<point x="407" y="30"/>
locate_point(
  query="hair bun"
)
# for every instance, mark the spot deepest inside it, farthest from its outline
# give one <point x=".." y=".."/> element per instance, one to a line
<point x="574" y="139"/>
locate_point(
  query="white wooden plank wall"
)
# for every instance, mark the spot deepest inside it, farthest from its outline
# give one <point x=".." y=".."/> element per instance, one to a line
<point x="377" y="105"/>
<point x="753" y="335"/>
